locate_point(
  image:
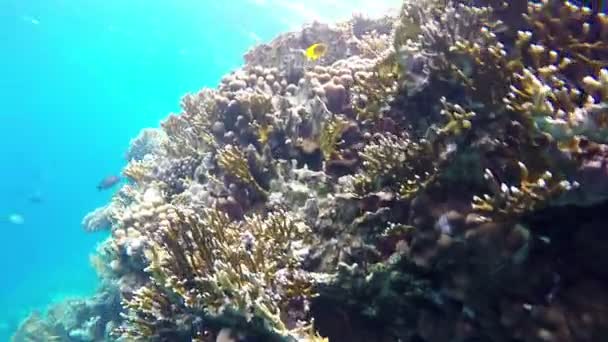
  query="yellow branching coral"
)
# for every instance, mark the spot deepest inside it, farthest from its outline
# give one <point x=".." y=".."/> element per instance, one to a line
<point x="308" y="333"/>
<point x="330" y="135"/>
<point x="375" y="89"/>
<point x="213" y="265"/>
<point x="447" y="31"/>
<point x="597" y="85"/>
<point x="459" y="120"/>
<point x="373" y="44"/>
<point x="138" y="171"/>
<point x="277" y="119"/>
<point x="458" y="42"/>
<point x="233" y="161"/>
<point x="397" y="163"/>
<point x="184" y="139"/>
<point x="561" y="92"/>
<point x="573" y="30"/>
<point x="412" y="17"/>
<point x="490" y="71"/>
<point x="201" y="109"/>
<point x="264" y="130"/>
<point x="556" y="107"/>
<point x="508" y="203"/>
<point x="190" y="132"/>
<point x="148" y="310"/>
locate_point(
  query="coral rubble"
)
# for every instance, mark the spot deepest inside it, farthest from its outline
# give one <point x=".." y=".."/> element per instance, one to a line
<point x="437" y="176"/>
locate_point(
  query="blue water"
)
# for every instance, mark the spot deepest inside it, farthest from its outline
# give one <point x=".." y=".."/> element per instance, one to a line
<point x="78" y="80"/>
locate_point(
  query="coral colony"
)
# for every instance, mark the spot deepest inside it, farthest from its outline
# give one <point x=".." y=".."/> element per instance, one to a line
<point x="440" y="175"/>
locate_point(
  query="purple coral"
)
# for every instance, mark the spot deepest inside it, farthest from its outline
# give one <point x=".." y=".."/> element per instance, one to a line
<point x="176" y="172"/>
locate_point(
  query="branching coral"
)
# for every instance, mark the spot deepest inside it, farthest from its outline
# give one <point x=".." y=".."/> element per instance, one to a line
<point x="233" y="161"/>
<point x="459" y="119"/>
<point x="292" y="167"/>
<point x="559" y="110"/>
<point x="452" y="38"/>
<point x="176" y="173"/>
<point x="98" y="219"/>
<point x="375" y="89"/>
<point x="575" y="31"/>
<point x="412" y="17"/>
<point x="149" y="141"/>
<point x="139" y="171"/>
<point x="507" y="203"/>
<point x="190" y="132"/>
<point x="561" y="91"/>
<point x="215" y="265"/>
<point x="396" y="163"/>
<point x="330" y="136"/>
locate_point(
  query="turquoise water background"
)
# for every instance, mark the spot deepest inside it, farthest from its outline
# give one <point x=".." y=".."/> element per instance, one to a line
<point x="78" y="80"/>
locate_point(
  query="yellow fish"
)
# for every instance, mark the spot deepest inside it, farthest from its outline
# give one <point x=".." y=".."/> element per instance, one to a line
<point x="315" y="51"/>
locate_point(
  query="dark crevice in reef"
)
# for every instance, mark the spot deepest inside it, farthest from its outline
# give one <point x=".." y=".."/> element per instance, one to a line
<point x="575" y="238"/>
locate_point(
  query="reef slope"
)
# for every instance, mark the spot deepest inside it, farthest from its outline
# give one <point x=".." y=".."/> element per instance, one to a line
<point x="439" y="175"/>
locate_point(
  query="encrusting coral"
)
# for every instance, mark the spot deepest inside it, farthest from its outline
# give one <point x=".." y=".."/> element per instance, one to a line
<point x="385" y="192"/>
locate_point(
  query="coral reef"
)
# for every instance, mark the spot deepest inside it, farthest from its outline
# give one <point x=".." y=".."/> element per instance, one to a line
<point x="436" y="176"/>
<point x="98" y="219"/>
<point x="148" y="142"/>
<point x="216" y="266"/>
<point x="87" y="320"/>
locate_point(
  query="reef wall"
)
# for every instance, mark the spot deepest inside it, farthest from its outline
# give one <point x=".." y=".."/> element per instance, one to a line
<point x="439" y="175"/>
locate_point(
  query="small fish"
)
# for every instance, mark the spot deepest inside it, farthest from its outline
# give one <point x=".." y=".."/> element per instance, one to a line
<point x="108" y="182"/>
<point x="315" y="51"/>
<point x="36" y="197"/>
<point x="31" y="20"/>
<point x="545" y="239"/>
<point x="16" y="219"/>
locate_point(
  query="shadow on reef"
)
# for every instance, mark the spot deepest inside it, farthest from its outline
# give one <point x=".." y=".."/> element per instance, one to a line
<point x="440" y="175"/>
<point x="567" y="269"/>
